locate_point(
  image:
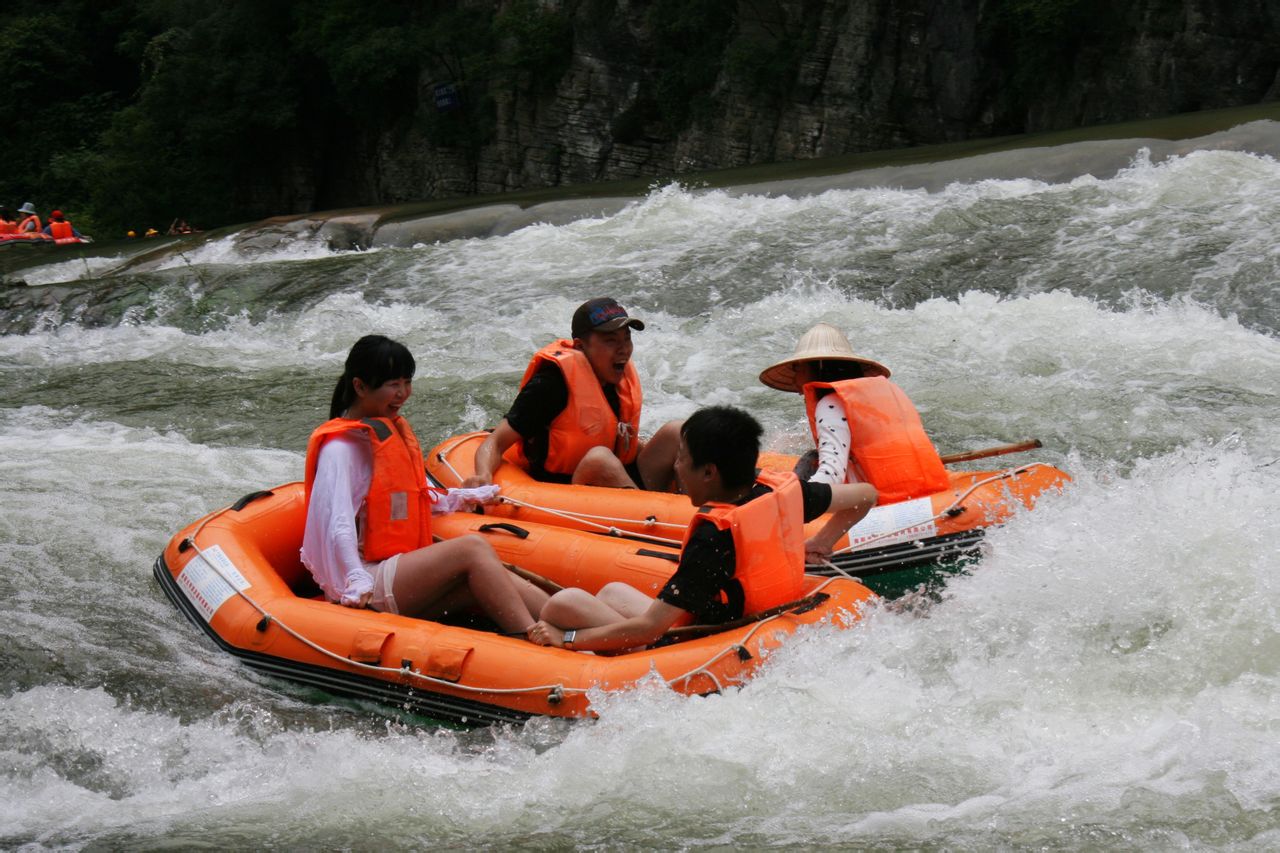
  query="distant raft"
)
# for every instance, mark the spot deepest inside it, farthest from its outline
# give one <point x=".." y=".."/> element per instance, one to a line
<point x="236" y="574"/>
<point x="882" y="550"/>
<point x="38" y="239"/>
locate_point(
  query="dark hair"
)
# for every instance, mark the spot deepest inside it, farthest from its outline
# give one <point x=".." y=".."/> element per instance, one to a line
<point x="726" y="437"/>
<point x="836" y="370"/>
<point x="373" y="360"/>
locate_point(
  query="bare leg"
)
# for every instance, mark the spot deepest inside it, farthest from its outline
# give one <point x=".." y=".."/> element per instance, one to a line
<point x="624" y="598"/>
<point x="429" y="574"/>
<point x="657" y="459"/>
<point x="577" y="608"/>
<point x="460" y="600"/>
<point x="454" y="602"/>
<point x="534" y="599"/>
<point x="599" y="467"/>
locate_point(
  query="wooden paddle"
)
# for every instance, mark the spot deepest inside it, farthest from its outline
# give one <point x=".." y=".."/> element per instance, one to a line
<point x="547" y="585"/>
<point x="968" y="455"/>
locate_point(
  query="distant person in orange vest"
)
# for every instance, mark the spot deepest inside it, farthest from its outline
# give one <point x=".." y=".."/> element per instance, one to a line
<point x="59" y="228"/>
<point x="577" y="415"/>
<point x="31" y="223"/>
<point x="744" y="552"/>
<point x="8" y="222"/>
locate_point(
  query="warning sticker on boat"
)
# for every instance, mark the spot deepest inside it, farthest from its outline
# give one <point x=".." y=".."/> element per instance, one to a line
<point x="900" y="522"/>
<point x="207" y="587"/>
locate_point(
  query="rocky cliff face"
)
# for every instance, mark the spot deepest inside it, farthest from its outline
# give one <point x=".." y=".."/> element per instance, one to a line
<point x="797" y="79"/>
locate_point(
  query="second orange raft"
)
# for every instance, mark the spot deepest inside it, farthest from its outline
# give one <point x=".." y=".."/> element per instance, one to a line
<point x="896" y="546"/>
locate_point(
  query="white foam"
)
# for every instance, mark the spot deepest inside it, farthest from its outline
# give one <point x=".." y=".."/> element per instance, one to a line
<point x="1106" y="677"/>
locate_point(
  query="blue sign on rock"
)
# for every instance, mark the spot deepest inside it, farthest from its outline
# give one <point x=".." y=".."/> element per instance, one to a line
<point x="447" y="97"/>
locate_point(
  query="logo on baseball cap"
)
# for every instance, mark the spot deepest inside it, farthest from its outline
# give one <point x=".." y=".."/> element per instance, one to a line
<point x="602" y="315"/>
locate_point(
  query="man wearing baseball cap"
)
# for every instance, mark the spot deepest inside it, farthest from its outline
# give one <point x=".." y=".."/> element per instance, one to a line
<point x="576" y="417"/>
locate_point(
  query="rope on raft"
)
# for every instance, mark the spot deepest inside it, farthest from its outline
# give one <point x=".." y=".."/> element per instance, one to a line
<point x="369" y="667"/>
<point x="952" y="509"/>
<point x="702" y="669"/>
<point x="404" y="671"/>
<point x="587" y="519"/>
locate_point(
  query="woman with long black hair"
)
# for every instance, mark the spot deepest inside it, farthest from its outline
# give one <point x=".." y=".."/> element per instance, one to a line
<point x="368" y="533"/>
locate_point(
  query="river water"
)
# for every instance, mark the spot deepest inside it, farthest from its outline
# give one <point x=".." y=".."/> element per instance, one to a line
<point x="1106" y="677"/>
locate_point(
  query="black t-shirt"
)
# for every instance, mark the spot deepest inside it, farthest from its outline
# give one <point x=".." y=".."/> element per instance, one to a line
<point x="540" y="402"/>
<point x="708" y="561"/>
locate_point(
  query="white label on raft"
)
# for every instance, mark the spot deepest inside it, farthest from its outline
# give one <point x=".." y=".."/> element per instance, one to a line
<point x="904" y="522"/>
<point x="206" y="588"/>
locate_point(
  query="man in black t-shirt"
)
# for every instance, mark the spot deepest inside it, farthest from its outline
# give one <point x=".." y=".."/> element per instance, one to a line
<point x="715" y="464"/>
<point x="575" y="417"/>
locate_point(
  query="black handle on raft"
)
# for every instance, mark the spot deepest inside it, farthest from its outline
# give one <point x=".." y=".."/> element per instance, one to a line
<point x="814" y="600"/>
<point x="502" y="525"/>
<point x="249" y="498"/>
<point x="662" y="555"/>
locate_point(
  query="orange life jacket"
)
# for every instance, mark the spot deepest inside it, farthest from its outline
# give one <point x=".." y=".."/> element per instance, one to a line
<point x="398" y="506"/>
<point x="888" y="441"/>
<point x="588" y="420"/>
<point x="61" y="230"/>
<point x="8" y="226"/>
<point x="22" y="225"/>
<point x="768" y="541"/>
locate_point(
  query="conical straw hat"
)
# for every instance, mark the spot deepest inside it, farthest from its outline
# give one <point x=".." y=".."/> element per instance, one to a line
<point x="821" y="343"/>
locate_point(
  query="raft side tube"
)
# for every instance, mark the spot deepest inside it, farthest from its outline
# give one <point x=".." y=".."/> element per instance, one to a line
<point x="242" y="581"/>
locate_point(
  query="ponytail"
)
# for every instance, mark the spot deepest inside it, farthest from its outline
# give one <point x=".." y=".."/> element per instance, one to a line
<point x="343" y="395"/>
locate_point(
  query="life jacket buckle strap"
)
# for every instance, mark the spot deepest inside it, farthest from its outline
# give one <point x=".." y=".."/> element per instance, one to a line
<point x="625" y="434"/>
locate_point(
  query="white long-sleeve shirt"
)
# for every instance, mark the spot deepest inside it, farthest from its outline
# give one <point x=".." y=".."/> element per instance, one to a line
<point x="835" y="466"/>
<point x="335" y="517"/>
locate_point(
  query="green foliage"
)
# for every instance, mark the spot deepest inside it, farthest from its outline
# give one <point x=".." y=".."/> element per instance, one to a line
<point x="218" y="104"/>
<point x="768" y="67"/>
<point x="53" y="103"/>
<point x="689" y="38"/>
<point x="535" y="41"/>
<point x="457" y="47"/>
<point x="133" y="112"/>
<point x="773" y="39"/>
<point x="369" y="53"/>
<point x="1040" y="40"/>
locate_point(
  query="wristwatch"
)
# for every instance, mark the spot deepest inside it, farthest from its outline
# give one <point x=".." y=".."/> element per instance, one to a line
<point x="569" y="635"/>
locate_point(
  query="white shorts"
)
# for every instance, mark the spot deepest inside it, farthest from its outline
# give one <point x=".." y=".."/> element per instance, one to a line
<point x="384" y="578"/>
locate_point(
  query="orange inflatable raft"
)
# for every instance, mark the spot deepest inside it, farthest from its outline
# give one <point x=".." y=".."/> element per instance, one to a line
<point x="892" y="538"/>
<point x="236" y="574"/>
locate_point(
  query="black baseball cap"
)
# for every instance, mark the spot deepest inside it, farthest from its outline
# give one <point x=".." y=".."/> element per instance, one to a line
<point x="602" y="315"/>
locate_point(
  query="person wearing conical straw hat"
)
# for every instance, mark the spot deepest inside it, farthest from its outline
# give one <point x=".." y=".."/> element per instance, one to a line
<point x="865" y="427"/>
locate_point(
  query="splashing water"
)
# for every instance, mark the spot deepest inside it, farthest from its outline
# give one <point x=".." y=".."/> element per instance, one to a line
<point x="1105" y="677"/>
